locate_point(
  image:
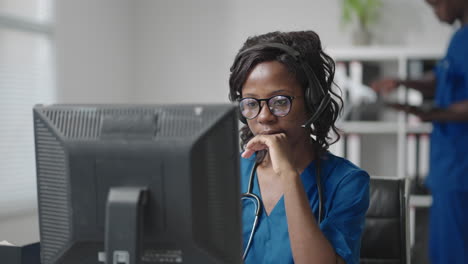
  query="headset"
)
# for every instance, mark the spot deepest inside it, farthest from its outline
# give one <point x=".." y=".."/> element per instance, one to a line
<point x="316" y="98"/>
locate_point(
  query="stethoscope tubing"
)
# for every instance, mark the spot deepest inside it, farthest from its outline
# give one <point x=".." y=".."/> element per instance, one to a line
<point x="258" y="208"/>
<point x="258" y="203"/>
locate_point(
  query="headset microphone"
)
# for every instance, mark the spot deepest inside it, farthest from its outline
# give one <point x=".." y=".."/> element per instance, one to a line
<point x="323" y="104"/>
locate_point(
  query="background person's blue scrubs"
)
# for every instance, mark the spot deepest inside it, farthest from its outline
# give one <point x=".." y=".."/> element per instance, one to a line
<point x="448" y="174"/>
<point x="346" y="195"/>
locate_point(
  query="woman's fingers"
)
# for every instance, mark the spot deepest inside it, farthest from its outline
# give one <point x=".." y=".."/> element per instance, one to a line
<point x="255" y="144"/>
<point x="275" y="143"/>
<point x="278" y="149"/>
<point x="247" y="153"/>
<point x="261" y="142"/>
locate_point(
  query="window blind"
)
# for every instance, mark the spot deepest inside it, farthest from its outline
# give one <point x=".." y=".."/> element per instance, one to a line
<point x="26" y="78"/>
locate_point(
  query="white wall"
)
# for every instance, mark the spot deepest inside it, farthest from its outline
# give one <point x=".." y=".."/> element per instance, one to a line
<point x="20" y="229"/>
<point x="182" y="51"/>
<point x="184" y="48"/>
<point x="411" y="23"/>
<point x="154" y="51"/>
<point x="400" y="22"/>
<point x="94" y="50"/>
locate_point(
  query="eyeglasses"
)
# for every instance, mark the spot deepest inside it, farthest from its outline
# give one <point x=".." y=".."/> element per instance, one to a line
<point x="279" y="105"/>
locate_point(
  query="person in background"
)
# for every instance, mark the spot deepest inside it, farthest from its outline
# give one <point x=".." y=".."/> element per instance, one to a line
<point x="311" y="205"/>
<point x="448" y="173"/>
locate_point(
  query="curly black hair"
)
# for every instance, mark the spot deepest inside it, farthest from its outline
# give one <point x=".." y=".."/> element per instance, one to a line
<point x="308" y="44"/>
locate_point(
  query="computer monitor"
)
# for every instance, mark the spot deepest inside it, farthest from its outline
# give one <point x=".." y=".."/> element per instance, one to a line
<point x="128" y="184"/>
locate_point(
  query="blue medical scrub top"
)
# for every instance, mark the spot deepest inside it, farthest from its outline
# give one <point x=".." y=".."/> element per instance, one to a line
<point x="346" y="199"/>
<point x="449" y="140"/>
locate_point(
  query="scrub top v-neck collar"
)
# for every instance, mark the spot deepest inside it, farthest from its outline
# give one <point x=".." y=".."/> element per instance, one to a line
<point x="307" y="179"/>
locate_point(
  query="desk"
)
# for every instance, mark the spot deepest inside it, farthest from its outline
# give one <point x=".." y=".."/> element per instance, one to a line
<point x="21" y="230"/>
<point x="21" y="254"/>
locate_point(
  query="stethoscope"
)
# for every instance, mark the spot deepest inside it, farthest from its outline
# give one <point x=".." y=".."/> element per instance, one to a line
<point x="258" y="204"/>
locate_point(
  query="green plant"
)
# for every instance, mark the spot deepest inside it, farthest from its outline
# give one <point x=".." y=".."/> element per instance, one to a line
<point x="365" y="11"/>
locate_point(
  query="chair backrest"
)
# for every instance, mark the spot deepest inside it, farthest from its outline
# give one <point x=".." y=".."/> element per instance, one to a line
<point x="385" y="237"/>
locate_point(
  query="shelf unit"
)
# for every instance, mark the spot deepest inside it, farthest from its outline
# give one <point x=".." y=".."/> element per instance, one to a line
<point x="400" y="128"/>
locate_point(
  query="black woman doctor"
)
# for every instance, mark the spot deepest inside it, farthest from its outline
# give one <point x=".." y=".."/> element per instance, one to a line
<point x="301" y="204"/>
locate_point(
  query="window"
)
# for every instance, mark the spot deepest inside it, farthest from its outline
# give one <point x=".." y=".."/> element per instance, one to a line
<point x="26" y="78"/>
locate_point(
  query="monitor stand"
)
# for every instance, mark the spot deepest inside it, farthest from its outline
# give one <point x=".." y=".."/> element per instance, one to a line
<point x="124" y="225"/>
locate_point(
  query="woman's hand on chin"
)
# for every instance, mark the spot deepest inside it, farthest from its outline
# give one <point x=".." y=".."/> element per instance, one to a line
<point x="279" y="150"/>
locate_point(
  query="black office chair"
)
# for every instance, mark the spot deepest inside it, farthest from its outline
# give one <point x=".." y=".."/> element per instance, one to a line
<point x="385" y="238"/>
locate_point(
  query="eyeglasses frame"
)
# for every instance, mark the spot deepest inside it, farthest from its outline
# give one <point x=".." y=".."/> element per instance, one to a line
<point x="266" y="100"/>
